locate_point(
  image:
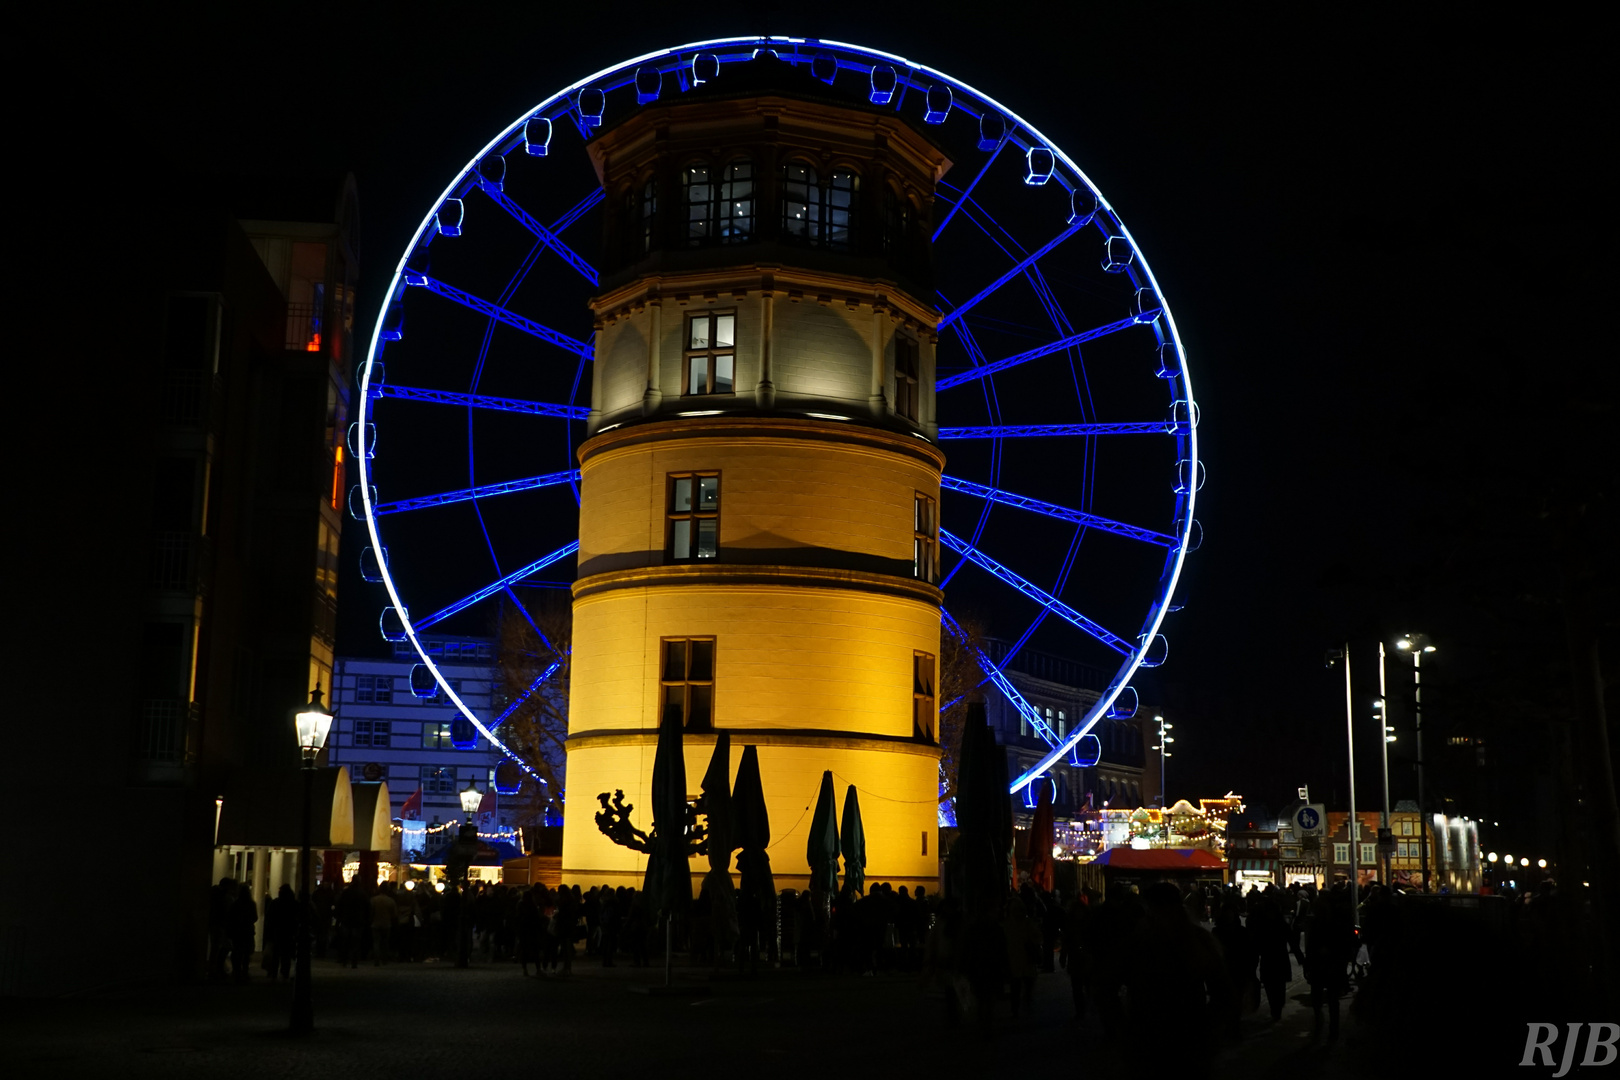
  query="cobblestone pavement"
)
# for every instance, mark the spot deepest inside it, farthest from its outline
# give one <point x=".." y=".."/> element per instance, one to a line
<point x="433" y="1017"/>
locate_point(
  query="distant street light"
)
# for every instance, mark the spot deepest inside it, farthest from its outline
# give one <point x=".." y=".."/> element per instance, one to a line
<point x="312" y="723"/>
<point x="1542" y="863"/>
<point x="1417" y="645"/>
<point x="1163" y="747"/>
<point x="1491" y="857"/>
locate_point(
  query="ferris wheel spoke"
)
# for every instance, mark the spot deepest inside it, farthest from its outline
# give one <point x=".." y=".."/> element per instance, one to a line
<point x="579" y="210"/>
<point x="497" y="586"/>
<point x="518" y="701"/>
<point x="1030" y="431"/>
<point x="967" y="192"/>
<point x="545" y="235"/>
<point x="993" y="674"/>
<point x="1036" y="353"/>
<point x="1052" y="510"/>
<point x="1035" y="592"/>
<point x="480" y="401"/>
<point x="483" y="492"/>
<point x="495" y="311"/>
<point x="1018" y="268"/>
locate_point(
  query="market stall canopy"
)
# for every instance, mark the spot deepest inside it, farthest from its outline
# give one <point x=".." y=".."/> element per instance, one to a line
<point x="1167" y="860"/>
<point x="373" y="827"/>
<point x="266" y="809"/>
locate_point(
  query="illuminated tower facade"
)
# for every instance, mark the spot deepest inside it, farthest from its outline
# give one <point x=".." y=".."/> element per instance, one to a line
<point x="760" y="481"/>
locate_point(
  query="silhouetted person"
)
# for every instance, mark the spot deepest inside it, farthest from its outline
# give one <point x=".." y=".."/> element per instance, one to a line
<point x="281" y="933"/>
<point x="219" y="927"/>
<point x="1329" y="945"/>
<point x="1268" y="932"/>
<point x="244" y="917"/>
<point x="1023" y="942"/>
<point x="384" y="914"/>
<point x="528" y="932"/>
<point x="1239" y="955"/>
<point x="354" y="923"/>
<point x="1174" y="968"/>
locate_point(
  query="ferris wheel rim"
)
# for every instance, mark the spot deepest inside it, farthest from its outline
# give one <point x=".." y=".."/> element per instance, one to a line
<point x="1186" y="501"/>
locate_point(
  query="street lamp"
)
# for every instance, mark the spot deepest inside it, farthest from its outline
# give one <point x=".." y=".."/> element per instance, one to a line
<point x="1163" y="747"/>
<point x="1417" y="645"/>
<point x="1338" y="656"/>
<point x="471" y="797"/>
<point x="312" y="723"/>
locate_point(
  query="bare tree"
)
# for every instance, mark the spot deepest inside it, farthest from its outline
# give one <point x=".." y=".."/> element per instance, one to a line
<point x="960" y="677"/>
<point x="530" y="645"/>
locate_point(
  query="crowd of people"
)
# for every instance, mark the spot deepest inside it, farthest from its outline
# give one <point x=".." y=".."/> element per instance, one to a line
<point x="1207" y="953"/>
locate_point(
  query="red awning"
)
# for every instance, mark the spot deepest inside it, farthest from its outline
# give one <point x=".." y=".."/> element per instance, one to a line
<point x="1170" y="859"/>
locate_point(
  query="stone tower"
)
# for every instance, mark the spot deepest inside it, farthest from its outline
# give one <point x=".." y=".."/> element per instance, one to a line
<point x="760" y="480"/>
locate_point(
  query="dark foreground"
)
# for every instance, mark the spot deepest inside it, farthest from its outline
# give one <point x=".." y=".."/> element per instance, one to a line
<point x="490" y="1020"/>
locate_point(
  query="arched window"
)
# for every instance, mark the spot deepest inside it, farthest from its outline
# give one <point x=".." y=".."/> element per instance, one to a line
<point x="896" y="222"/>
<point x="697" y="194"/>
<point x="649" y="211"/>
<point x="840" y="215"/>
<point x="735" y="212"/>
<point x="819" y="213"/>
<point x="801" y="202"/>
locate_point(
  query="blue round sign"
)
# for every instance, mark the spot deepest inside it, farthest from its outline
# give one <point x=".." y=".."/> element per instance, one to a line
<point x="1308" y="818"/>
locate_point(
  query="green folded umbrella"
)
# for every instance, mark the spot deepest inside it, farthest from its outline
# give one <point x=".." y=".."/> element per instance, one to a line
<point x="822" y="847"/>
<point x="852" y="842"/>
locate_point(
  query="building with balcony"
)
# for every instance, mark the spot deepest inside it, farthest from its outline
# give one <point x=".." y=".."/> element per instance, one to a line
<point x="201" y="533"/>
<point x="1063" y="691"/>
<point x="409" y="734"/>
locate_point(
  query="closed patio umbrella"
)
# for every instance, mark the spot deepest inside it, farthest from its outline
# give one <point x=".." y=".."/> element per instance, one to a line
<point x="751" y="831"/>
<point x="852" y="842"/>
<point x="821" y="849"/>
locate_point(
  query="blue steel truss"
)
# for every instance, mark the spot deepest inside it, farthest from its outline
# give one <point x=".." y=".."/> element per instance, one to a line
<point x="480" y="401"/>
<point x="545" y="235"/>
<point x="485" y="491"/>
<point x="1008" y="690"/>
<point x="517" y="702"/>
<point x="1035" y="592"/>
<point x="1029" y="431"/>
<point x="906" y="87"/>
<point x="494" y="587"/>
<point x="510" y="318"/>
<point x="1062" y="513"/>
<point x="1036" y="353"/>
<point x="1018" y="268"/>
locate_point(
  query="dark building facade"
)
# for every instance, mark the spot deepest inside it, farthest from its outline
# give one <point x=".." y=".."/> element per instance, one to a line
<point x="201" y="538"/>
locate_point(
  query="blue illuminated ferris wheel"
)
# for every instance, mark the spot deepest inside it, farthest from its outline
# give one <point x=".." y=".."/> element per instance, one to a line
<point x="1063" y="396"/>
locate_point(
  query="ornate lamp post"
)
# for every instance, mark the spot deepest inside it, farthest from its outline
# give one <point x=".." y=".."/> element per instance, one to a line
<point x="459" y="865"/>
<point x="312" y="724"/>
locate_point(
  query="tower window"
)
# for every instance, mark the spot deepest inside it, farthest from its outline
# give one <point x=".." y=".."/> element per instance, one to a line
<point x="817" y="213"/>
<point x="925" y="539"/>
<point x="711" y="353"/>
<point x="735" y="212"/>
<point x="907" y="388"/>
<point x="698" y="189"/>
<point x="688" y="681"/>
<point x="922" y="695"/>
<point x="694" y="517"/>
<point x="896" y="222"/>
<point x="649" y="211"/>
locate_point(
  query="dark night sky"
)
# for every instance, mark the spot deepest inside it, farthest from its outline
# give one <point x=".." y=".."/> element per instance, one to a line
<point x="1377" y="229"/>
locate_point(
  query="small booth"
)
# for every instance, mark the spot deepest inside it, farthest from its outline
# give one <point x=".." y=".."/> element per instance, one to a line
<point x="1124" y="866"/>
<point x="372" y="853"/>
<point x="260" y="827"/>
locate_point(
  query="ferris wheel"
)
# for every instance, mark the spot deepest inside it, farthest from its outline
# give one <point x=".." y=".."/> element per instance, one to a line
<point x="1064" y="402"/>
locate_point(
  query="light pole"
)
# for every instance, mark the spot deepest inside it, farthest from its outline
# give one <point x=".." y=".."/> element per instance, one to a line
<point x="1163" y="747"/>
<point x="1350" y="734"/>
<point x="1387" y="736"/>
<point x="467" y="845"/>
<point x="1417" y="645"/>
<point x="312" y="723"/>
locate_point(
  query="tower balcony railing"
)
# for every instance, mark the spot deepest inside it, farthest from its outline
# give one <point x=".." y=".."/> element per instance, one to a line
<point x="188" y="398"/>
<point x="305" y="328"/>
<point x="164" y="729"/>
<point x="180" y="561"/>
